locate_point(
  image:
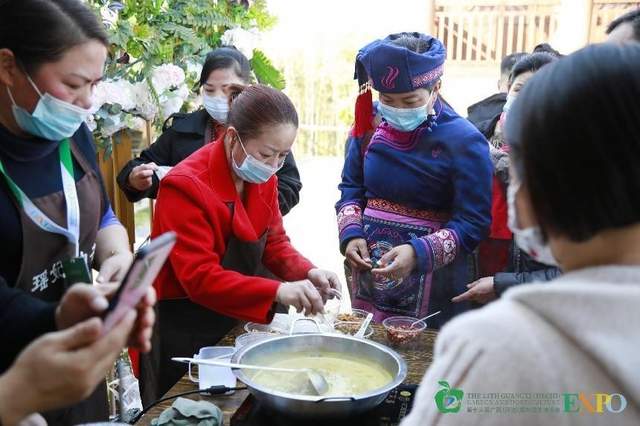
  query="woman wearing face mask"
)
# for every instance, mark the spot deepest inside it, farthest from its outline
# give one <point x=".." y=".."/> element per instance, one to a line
<point x="575" y="185"/>
<point x="222" y="202"/>
<point x="222" y="68"/>
<point x="416" y="197"/>
<point x="501" y="263"/>
<point x="55" y="218"/>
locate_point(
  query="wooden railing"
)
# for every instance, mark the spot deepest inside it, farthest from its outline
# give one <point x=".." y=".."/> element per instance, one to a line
<point x="477" y="31"/>
<point x="605" y="11"/>
<point x="487" y="30"/>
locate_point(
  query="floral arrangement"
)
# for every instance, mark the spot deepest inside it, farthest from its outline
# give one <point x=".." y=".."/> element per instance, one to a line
<point x="121" y="104"/>
<point x="156" y="56"/>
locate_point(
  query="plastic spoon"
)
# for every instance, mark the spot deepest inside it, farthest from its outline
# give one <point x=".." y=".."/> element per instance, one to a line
<point x="423" y="319"/>
<point x="318" y="382"/>
<point x="364" y="326"/>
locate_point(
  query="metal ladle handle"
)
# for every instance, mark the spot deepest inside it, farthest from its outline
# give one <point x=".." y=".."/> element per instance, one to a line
<point x="237" y="366"/>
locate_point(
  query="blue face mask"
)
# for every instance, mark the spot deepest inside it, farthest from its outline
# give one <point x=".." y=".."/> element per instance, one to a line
<point x="405" y="119"/>
<point x="53" y="119"/>
<point x="253" y="170"/>
<point x="217" y="107"/>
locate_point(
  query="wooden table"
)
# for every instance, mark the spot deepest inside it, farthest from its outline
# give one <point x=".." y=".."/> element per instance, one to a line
<point x="418" y="360"/>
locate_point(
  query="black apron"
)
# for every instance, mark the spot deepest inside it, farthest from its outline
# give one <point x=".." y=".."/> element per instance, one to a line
<point x="183" y="327"/>
<point x="41" y="270"/>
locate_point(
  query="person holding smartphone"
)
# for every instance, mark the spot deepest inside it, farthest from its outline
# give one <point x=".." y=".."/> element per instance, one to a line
<point x="54" y="355"/>
<point x="55" y="218"/>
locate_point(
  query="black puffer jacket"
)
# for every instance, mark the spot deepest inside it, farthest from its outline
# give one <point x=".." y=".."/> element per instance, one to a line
<point x="522" y="270"/>
<point x="486" y="109"/>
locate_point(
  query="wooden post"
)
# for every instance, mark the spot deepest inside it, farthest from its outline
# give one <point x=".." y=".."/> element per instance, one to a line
<point x="151" y="200"/>
<point x="110" y="167"/>
<point x="431" y="17"/>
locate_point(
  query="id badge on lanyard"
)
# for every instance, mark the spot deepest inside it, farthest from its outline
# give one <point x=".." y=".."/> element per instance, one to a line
<point x="76" y="268"/>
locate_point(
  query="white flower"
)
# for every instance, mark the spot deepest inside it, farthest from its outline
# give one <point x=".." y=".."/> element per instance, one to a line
<point x="172" y="101"/>
<point x="118" y="92"/>
<point x="109" y="16"/>
<point x="166" y="77"/>
<point x="243" y="40"/>
<point x="145" y="104"/>
<point x="194" y="68"/>
<point x="112" y="124"/>
<point x="91" y="122"/>
<point x="135" y="123"/>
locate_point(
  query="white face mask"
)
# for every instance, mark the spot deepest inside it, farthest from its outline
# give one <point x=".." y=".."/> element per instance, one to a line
<point x="509" y="103"/>
<point x="217" y="107"/>
<point x="529" y="240"/>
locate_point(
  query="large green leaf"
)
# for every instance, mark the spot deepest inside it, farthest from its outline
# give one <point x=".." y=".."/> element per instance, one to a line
<point x="265" y="72"/>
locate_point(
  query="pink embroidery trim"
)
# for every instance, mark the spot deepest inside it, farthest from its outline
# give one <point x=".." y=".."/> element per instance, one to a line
<point x="444" y="246"/>
<point x="350" y="214"/>
<point x="427" y="77"/>
<point x="389" y="80"/>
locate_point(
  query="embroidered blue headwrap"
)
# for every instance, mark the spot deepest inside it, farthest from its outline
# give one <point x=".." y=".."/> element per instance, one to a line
<point x="395" y="69"/>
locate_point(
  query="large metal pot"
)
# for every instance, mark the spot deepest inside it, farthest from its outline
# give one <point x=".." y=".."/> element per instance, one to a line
<point x="318" y="406"/>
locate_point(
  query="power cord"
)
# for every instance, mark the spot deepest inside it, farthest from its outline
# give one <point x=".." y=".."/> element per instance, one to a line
<point x="213" y="390"/>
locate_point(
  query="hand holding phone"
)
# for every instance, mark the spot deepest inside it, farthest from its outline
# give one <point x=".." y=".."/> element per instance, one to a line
<point x="140" y="276"/>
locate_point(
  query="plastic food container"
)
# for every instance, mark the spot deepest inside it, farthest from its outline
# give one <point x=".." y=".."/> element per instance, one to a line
<point x="350" y="328"/>
<point x="399" y="332"/>
<point x="209" y="375"/>
<point x="254" y="327"/>
<point x="254" y="336"/>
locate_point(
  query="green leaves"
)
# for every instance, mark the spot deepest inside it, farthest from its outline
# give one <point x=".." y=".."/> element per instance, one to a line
<point x="149" y="33"/>
<point x="265" y="72"/>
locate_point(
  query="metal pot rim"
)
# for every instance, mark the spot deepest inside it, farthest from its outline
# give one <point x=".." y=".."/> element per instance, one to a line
<point x="400" y="376"/>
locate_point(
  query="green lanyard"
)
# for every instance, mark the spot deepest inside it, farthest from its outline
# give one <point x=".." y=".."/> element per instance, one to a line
<point x="72" y="232"/>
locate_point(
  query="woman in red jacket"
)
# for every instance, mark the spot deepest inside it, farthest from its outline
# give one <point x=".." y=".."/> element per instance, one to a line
<point x="223" y="203"/>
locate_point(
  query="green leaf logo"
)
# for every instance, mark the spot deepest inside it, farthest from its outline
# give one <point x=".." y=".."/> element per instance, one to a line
<point x="448" y="400"/>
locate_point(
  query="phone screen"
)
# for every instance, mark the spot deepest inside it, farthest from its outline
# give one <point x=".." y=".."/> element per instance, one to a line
<point x="139" y="278"/>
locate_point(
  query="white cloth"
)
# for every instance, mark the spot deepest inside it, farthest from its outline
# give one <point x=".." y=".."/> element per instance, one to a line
<point x="579" y="333"/>
<point x="162" y="171"/>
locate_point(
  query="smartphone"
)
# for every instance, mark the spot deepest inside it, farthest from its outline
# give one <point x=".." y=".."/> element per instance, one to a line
<point x="140" y="276"/>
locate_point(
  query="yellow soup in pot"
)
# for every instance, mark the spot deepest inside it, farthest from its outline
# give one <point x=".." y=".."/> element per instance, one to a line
<point x="345" y="376"/>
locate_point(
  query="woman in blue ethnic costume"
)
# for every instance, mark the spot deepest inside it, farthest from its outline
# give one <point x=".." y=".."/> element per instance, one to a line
<point x="416" y="189"/>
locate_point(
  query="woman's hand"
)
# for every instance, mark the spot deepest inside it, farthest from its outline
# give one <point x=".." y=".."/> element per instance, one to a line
<point x="481" y="291"/>
<point x="140" y="337"/>
<point x="114" y="268"/>
<point x="302" y="295"/>
<point x="325" y="281"/>
<point x="60" y="368"/>
<point x="79" y="303"/>
<point x="358" y="254"/>
<point x="141" y="177"/>
<point x="397" y="263"/>
<point x="83" y="301"/>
